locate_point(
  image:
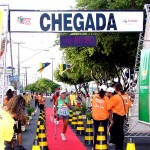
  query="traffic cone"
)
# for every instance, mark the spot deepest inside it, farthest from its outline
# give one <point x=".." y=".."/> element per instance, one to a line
<point x="80" y="126"/>
<point x="36" y="145"/>
<point x="42" y="138"/>
<point x="88" y="138"/>
<point x="74" y="120"/>
<point x="130" y="145"/>
<point x="101" y="143"/>
<point x="70" y="117"/>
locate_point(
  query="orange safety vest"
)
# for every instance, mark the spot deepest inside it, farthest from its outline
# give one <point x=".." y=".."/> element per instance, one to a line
<point x="100" y="107"/>
<point x="127" y="102"/>
<point x="41" y="100"/>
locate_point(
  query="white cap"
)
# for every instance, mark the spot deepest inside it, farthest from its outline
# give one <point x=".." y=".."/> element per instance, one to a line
<point x="111" y="90"/>
<point x="103" y="87"/>
<point x="62" y="91"/>
<point x="11" y="88"/>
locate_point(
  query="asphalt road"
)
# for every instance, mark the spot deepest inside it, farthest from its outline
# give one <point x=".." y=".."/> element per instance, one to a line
<point x="29" y="135"/>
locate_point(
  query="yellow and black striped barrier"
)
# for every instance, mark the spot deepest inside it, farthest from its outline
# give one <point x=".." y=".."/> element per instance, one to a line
<point x="74" y="120"/>
<point x="88" y="138"/>
<point x="101" y="143"/>
<point x="80" y="126"/>
<point x="36" y="145"/>
<point x="42" y="138"/>
<point x="70" y="116"/>
<point x="130" y="145"/>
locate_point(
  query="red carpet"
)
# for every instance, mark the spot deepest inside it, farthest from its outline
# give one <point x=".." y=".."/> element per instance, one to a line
<point x="72" y="142"/>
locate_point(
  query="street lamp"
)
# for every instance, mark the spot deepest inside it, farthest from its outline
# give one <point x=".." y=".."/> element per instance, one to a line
<point x="18" y="82"/>
<point x="52" y="67"/>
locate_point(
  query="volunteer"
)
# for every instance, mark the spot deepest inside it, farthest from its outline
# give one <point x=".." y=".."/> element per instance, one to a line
<point x="15" y="109"/>
<point x="118" y="117"/>
<point x="36" y="100"/>
<point x="63" y="104"/>
<point x="110" y="93"/>
<point x="101" y="111"/>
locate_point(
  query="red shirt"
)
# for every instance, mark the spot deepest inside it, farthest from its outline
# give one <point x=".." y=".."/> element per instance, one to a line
<point x="55" y="98"/>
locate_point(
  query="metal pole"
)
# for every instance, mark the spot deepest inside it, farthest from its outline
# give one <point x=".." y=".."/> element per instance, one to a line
<point x="52" y="67"/>
<point x="18" y="81"/>
<point x="129" y="80"/>
<point x="26" y="73"/>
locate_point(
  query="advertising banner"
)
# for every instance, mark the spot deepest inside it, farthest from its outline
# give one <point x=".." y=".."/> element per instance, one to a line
<point x="144" y="83"/>
<point x="76" y="21"/>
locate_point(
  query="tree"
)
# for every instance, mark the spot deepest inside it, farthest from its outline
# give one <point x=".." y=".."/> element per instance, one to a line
<point x="43" y="85"/>
<point x="114" y="51"/>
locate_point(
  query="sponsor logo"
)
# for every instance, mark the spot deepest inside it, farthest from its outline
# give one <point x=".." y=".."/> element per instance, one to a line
<point x="26" y="21"/>
<point x="129" y="21"/>
<point x="144" y="73"/>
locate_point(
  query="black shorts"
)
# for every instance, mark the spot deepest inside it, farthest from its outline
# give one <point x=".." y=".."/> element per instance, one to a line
<point x="17" y="127"/>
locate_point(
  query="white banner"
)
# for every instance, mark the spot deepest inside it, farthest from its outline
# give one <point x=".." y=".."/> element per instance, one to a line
<point x="76" y="21"/>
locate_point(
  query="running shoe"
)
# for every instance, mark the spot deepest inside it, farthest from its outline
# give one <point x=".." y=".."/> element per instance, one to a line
<point x="63" y="137"/>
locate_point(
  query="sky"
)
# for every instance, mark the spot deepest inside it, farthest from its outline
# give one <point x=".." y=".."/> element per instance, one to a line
<point x="36" y="42"/>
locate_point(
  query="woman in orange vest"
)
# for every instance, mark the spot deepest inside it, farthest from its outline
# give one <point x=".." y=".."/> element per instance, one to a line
<point x="9" y="95"/>
<point x="101" y="113"/>
<point x="119" y="113"/>
<point x="41" y="101"/>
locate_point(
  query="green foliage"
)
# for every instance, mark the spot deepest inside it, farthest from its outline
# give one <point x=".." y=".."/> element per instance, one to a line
<point x="43" y="85"/>
<point x="83" y="109"/>
<point x="77" y="108"/>
<point x="29" y="110"/>
<point x="89" y="115"/>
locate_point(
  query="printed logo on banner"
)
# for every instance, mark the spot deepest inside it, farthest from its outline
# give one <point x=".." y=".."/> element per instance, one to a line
<point x="144" y="73"/>
<point x="130" y="21"/>
<point x="22" y="20"/>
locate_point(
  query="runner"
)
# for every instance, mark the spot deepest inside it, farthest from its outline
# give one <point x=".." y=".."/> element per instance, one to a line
<point x="54" y="99"/>
<point x="63" y="104"/>
<point x="15" y="109"/>
<point x="101" y="111"/>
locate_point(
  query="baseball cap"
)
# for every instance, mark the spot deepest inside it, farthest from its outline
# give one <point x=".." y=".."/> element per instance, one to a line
<point x="62" y="91"/>
<point x="103" y="87"/>
<point x="110" y="90"/>
<point x="11" y="88"/>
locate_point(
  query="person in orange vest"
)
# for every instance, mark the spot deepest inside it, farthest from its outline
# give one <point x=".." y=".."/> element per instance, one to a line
<point x="119" y="113"/>
<point x="36" y="100"/>
<point x="101" y="111"/>
<point x="41" y="101"/>
<point x="9" y="95"/>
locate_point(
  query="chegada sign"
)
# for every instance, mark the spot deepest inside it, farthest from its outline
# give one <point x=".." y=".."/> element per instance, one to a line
<point x="76" y="21"/>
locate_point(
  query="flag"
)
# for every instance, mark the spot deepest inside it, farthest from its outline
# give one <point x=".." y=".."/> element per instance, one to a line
<point x="63" y="67"/>
<point x="42" y="66"/>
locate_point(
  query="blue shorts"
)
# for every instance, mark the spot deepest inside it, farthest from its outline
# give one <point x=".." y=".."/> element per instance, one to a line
<point x="63" y="117"/>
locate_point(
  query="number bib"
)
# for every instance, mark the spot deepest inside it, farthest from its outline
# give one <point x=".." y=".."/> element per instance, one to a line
<point x="63" y="111"/>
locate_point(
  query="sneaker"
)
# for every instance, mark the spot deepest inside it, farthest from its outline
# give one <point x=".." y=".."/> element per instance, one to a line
<point x="63" y="136"/>
<point x="54" y="120"/>
<point x="57" y="122"/>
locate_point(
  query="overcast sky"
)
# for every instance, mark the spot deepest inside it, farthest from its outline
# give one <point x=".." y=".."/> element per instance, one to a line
<point x="36" y="40"/>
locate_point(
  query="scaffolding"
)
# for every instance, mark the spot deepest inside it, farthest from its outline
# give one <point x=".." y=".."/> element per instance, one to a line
<point x="134" y="127"/>
<point x="4" y="9"/>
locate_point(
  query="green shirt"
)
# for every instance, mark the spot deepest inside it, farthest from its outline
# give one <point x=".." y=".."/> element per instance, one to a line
<point x="62" y="106"/>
